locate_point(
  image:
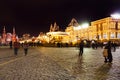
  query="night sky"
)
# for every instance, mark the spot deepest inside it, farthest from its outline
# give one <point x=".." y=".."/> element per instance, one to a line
<point x="35" y="16"/>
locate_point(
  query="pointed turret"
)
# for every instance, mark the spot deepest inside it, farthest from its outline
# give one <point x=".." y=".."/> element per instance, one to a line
<point x="14" y="30"/>
<point x="55" y="26"/>
<point x="51" y="28"/>
<point x="14" y="35"/>
<point x="4" y="31"/>
<point x="4" y="36"/>
<point x="58" y="28"/>
<point x="73" y="22"/>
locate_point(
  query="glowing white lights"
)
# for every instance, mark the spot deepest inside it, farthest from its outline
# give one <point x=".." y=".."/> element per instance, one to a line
<point x="85" y="25"/>
<point x="78" y="28"/>
<point x="115" y="16"/>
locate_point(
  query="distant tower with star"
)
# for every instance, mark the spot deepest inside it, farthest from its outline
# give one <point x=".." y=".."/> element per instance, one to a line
<point x="3" y="41"/>
<point x="13" y="35"/>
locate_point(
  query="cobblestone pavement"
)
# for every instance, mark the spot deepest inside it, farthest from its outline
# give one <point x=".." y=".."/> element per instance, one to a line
<point x="47" y="63"/>
<point x="34" y="66"/>
<point x="90" y="66"/>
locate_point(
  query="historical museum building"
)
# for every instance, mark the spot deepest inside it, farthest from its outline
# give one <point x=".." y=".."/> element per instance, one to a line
<point x="5" y="37"/>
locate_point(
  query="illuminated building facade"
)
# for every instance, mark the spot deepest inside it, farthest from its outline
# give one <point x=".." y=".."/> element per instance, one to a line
<point x="105" y="29"/>
<point x="7" y="37"/>
<point x="55" y="35"/>
<point x="102" y="30"/>
<point x="74" y="33"/>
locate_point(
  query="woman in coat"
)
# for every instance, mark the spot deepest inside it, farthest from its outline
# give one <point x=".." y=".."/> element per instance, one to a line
<point x="25" y="46"/>
<point x="109" y="58"/>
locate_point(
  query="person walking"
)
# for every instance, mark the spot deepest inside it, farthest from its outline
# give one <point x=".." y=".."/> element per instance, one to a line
<point x="25" y="46"/>
<point x="81" y="46"/>
<point x="16" y="45"/>
<point x="109" y="58"/>
<point x="10" y="44"/>
<point x="114" y="46"/>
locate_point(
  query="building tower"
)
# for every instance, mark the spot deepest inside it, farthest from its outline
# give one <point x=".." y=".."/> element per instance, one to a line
<point x="4" y="36"/>
<point x="51" y="28"/>
<point x="13" y="35"/>
<point x="55" y="27"/>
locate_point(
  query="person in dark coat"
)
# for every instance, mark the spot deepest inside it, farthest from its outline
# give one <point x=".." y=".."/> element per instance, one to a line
<point x="25" y="46"/>
<point x="81" y="46"/>
<point x="109" y="58"/>
<point x="16" y="47"/>
<point x="10" y="44"/>
<point x="114" y="46"/>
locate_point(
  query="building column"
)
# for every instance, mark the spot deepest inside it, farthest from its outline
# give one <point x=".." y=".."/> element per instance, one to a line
<point x="116" y="28"/>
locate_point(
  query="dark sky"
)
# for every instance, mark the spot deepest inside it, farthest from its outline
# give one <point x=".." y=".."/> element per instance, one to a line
<point x="35" y="16"/>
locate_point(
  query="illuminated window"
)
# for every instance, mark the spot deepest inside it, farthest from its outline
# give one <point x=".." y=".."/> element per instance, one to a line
<point x="118" y="25"/>
<point x="99" y="27"/>
<point x="104" y="26"/>
<point x="118" y="35"/>
<point x="112" y="35"/>
<point x="95" y="36"/>
<point x="99" y="36"/>
<point x="112" y="25"/>
<point x="104" y="36"/>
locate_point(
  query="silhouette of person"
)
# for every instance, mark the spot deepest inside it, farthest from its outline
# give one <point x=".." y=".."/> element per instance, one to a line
<point x="114" y="46"/>
<point x="16" y="47"/>
<point x="81" y="46"/>
<point x="25" y="46"/>
<point x="10" y="44"/>
<point x="109" y="58"/>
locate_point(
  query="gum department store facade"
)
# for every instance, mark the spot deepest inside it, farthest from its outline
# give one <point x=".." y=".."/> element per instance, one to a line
<point x="101" y="30"/>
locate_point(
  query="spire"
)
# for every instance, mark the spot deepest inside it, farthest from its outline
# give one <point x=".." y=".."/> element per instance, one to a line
<point x="55" y="26"/>
<point x="58" y="28"/>
<point x="14" y="35"/>
<point x="13" y="30"/>
<point x="51" y="28"/>
<point x="4" y="31"/>
<point x="4" y="35"/>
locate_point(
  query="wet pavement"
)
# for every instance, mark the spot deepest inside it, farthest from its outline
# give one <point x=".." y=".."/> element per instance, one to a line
<point x="47" y="63"/>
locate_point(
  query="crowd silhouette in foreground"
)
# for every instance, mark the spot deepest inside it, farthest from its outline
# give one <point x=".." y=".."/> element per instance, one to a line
<point x="109" y="46"/>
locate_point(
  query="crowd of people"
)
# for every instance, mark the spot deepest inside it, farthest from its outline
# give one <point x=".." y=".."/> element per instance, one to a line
<point x="16" y="45"/>
<point x="107" y="45"/>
